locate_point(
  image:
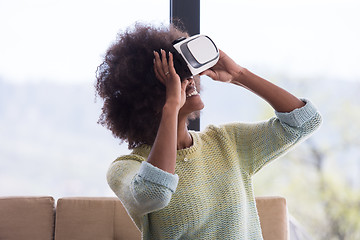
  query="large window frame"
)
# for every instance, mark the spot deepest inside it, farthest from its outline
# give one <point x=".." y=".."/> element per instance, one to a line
<point x="188" y="12"/>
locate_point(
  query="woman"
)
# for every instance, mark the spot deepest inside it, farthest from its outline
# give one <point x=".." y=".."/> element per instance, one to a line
<point x="181" y="184"/>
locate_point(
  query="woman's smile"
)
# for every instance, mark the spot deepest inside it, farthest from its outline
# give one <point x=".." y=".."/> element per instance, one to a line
<point x="191" y="91"/>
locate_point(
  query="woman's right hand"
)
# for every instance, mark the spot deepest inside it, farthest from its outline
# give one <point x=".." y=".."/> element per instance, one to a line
<point x="166" y="73"/>
<point x="163" y="151"/>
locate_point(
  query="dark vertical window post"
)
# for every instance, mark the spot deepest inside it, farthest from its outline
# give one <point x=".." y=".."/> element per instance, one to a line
<point x="188" y="12"/>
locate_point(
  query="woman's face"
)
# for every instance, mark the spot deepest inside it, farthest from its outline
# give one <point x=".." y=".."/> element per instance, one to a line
<point x="193" y="100"/>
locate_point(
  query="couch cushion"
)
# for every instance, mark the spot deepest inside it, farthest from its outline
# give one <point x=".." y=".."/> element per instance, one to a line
<point x="93" y="219"/>
<point x="26" y="218"/>
<point x="106" y="218"/>
<point x="273" y="217"/>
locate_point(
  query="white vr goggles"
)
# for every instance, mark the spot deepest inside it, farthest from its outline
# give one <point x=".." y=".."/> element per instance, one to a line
<point x="194" y="55"/>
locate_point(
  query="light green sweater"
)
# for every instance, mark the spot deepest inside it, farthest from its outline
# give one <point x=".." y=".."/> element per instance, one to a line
<point x="211" y="194"/>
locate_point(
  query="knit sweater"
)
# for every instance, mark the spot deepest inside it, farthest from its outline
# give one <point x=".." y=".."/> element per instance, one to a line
<point x="210" y="196"/>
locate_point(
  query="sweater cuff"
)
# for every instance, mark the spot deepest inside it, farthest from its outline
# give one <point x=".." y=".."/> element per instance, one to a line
<point x="299" y="116"/>
<point x="155" y="175"/>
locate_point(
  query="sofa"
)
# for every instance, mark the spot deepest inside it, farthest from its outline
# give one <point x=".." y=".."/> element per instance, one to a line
<point x="101" y="218"/>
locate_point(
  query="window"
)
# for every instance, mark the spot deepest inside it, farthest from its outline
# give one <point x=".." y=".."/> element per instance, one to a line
<point x="311" y="49"/>
<point x="50" y="143"/>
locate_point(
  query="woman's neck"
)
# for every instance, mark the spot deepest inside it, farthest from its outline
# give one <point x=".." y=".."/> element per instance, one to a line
<point x="184" y="139"/>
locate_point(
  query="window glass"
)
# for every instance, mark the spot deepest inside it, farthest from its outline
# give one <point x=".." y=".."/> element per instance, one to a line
<point x="311" y="49"/>
<point x="50" y="142"/>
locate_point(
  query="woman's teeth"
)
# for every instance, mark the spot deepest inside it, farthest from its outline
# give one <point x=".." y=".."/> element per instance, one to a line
<point x="193" y="93"/>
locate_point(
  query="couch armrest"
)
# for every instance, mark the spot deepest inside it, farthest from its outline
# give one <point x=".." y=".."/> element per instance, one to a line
<point x="26" y="218"/>
<point x="273" y="217"/>
<point x="93" y="218"/>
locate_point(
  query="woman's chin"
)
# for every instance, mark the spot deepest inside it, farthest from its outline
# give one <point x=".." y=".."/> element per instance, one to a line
<point x="192" y="104"/>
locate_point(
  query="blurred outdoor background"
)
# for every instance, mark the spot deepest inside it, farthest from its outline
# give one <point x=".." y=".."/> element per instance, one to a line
<point x="51" y="144"/>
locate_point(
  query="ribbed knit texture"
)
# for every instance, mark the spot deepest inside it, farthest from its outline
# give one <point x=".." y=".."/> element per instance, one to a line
<point x="211" y="194"/>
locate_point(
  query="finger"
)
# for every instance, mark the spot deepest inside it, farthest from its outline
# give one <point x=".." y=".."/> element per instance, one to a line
<point x="165" y="65"/>
<point x="206" y="72"/>
<point x="157" y="75"/>
<point x="171" y="65"/>
<point x="210" y="73"/>
<point x="158" y="65"/>
<point x="172" y="69"/>
<point x="184" y="84"/>
<point x="157" y="59"/>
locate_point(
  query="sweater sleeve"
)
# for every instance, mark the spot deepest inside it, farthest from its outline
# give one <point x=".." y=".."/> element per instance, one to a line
<point x="259" y="143"/>
<point x="141" y="187"/>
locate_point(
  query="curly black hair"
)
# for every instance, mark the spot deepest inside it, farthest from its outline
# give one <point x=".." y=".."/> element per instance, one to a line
<point x="133" y="96"/>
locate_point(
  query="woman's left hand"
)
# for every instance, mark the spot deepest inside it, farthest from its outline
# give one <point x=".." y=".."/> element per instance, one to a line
<point x="225" y="70"/>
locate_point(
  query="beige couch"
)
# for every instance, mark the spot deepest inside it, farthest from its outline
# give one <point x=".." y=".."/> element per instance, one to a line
<point x="85" y="218"/>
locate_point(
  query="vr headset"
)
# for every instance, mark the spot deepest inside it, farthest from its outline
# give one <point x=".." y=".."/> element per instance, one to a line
<point x="194" y="55"/>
